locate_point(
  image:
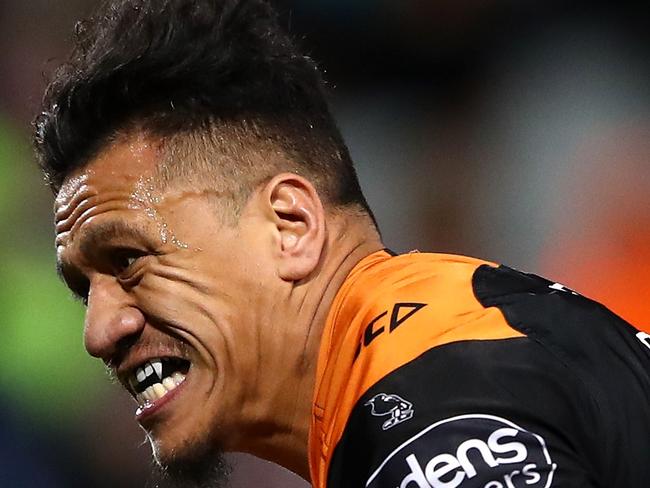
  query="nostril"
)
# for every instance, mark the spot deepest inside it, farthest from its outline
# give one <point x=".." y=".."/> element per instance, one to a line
<point x="111" y="328"/>
<point x="126" y="342"/>
<point x="120" y="350"/>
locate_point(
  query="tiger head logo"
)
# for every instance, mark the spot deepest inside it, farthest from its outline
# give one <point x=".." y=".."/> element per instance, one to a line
<point x="384" y="404"/>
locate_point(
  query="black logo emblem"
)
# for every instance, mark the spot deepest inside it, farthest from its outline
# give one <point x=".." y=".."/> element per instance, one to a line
<point x="384" y="404"/>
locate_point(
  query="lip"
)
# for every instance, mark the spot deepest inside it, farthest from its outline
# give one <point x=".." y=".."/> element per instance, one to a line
<point x="143" y="414"/>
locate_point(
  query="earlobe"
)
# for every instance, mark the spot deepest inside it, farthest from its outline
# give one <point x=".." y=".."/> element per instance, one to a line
<point x="300" y="222"/>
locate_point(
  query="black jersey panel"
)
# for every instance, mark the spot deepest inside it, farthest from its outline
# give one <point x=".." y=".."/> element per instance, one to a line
<point x="471" y="414"/>
<point x="607" y="354"/>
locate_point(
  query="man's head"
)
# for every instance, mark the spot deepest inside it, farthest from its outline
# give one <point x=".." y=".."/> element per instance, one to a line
<point x="218" y="74"/>
<point x="202" y="188"/>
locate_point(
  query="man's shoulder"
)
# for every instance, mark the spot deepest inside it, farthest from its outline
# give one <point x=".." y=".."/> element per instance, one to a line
<point x="391" y="311"/>
<point x="444" y="337"/>
<point x="444" y="281"/>
<point x="412" y="302"/>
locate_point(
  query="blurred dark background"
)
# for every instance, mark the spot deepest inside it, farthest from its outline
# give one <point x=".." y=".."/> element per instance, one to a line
<point x="514" y="131"/>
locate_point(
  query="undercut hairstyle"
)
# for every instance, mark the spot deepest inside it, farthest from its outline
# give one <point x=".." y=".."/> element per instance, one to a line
<point x="218" y="82"/>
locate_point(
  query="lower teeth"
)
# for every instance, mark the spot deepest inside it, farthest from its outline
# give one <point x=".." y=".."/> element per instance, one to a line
<point x="159" y="390"/>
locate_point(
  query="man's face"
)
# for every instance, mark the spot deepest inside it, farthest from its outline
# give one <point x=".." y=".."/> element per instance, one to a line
<point x="177" y="301"/>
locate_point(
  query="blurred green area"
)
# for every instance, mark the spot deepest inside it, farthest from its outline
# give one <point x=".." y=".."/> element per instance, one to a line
<point x="9" y="171"/>
<point x="45" y="370"/>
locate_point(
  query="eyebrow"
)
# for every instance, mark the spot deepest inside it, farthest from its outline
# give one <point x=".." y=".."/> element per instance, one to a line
<point x="103" y="232"/>
<point x="97" y="235"/>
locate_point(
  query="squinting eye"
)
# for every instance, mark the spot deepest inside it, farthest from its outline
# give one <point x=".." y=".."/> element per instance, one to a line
<point x="124" y="259"/>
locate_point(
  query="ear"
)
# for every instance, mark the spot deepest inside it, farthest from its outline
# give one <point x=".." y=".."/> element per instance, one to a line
<point x="299" y="218"/>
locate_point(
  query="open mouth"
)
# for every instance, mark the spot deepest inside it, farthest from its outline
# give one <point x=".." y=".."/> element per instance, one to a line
<point x="156" y="378"/>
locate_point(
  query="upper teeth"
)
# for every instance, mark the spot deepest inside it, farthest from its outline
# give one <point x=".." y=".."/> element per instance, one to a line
<point x="149" y="368"/>
<point x="152" y="372"/>
<point x="157" y="386"/>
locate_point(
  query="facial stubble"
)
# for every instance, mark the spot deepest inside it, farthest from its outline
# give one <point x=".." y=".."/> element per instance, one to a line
<point x="196" y="464"/>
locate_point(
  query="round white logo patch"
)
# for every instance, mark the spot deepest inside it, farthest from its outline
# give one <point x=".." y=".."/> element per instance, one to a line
<point x="468" y="451"/>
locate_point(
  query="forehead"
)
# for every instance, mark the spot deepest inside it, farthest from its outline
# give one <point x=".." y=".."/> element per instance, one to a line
<point x="112" y="186"/>
<point x="120" y="166"/>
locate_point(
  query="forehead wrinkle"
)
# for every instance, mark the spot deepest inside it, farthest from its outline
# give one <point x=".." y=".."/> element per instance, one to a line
<point x="69" y="201"/>
<point x="86" y="206"/>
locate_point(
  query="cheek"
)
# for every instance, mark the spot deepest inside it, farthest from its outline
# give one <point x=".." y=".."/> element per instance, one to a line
<point x="175" y="294"/>
<point x="177" y="307"/>
<point x="253" y="272"/>
<point x="210" y="318"/>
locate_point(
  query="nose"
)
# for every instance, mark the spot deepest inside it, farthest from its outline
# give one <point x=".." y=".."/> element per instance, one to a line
<point x="111" y="318"/>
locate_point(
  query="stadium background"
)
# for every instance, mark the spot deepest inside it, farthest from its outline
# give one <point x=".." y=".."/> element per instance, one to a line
<point x="514" y="131"/>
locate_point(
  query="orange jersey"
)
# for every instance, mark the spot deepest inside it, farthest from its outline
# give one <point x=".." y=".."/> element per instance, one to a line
<point x="402" y="317"/>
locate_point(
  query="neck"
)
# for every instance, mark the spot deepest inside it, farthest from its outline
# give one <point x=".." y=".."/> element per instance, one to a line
<point x="310" y="302"/>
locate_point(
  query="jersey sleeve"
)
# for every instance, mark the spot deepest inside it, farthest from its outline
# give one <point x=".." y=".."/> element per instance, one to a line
<point x="472" y="414"/>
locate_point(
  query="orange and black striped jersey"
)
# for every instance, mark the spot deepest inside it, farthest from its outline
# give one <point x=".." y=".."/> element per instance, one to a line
<point x="441" y="371"/>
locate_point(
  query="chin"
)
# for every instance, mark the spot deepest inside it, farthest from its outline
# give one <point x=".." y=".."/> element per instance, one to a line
<point x="192" y="464"/>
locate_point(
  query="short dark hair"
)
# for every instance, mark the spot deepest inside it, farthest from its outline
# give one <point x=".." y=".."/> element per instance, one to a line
<point x="174" y="67"/>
